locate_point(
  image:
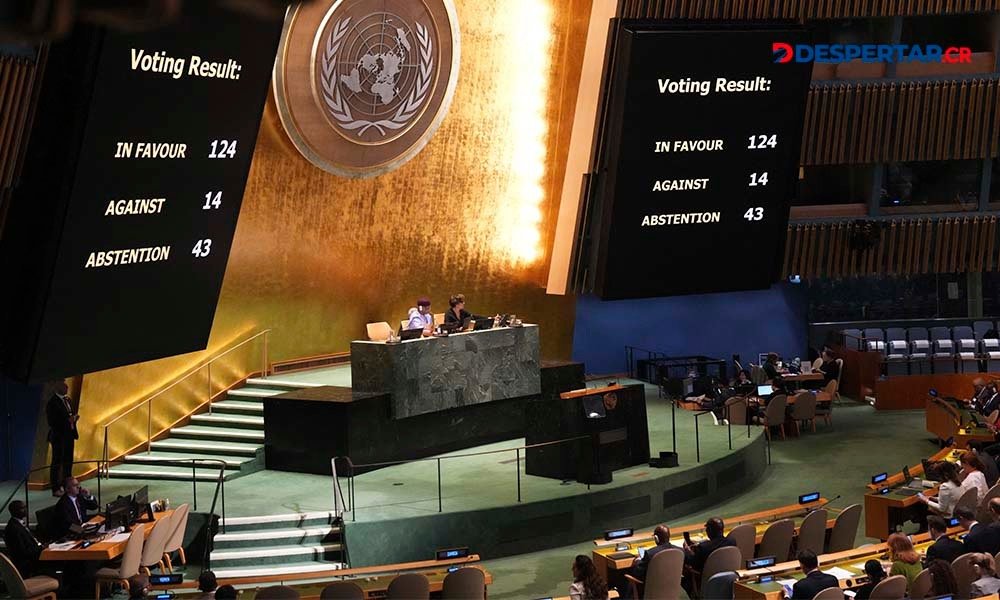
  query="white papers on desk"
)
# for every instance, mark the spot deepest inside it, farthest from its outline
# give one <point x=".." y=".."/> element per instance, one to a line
<point x="839" y="573"/>
<point x="787" y="585"/>
<point x="62" y="546"/>
<point x="119" y="538"/>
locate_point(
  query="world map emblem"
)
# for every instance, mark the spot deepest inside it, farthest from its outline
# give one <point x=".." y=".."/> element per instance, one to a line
<point x="362" y="85"/>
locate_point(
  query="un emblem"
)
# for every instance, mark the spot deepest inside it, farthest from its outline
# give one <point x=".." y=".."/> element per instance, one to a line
<point x="362" y="85"/>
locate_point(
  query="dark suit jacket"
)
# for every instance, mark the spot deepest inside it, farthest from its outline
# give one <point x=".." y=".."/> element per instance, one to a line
<point x="812" y="584"/>
<point x="66" y="515"/>
<point x="640" y="568"/>
<point x="991" y="403"/>
<point x="58" y="417"/>
<point x="945" y="549"/>
<point x="830" y="370"/>
<point x="449" y="316"/>
<point x="700" y="552"/>
<point x="22" y="547"/>
<point x="983" y="538"/>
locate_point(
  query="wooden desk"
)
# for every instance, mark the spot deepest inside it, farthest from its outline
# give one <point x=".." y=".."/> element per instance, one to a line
<point x="802" y="377"/>
<point x="101" y="551"/>
<point x="613" y="569"/>
<point x="852" y="561"/>
<point x="909" y="391"/>
<point x="883" y="511"/>
<point x="373" y="587"/>
<point x="590" y="391"/>
<point x="971" y="434"/>
<point x="943" y="419"/>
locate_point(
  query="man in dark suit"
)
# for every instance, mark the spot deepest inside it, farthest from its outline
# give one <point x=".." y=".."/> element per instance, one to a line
<point x="943" y="548"/>
<point x="661" y="535"/>
<point x="62" y="435"/>
<point x="22" y="547"/>
<point x="695" y="555"/>
<point x="815" y="580"/>
<point x="72" y="508"/>
<point x="981" y="537"/>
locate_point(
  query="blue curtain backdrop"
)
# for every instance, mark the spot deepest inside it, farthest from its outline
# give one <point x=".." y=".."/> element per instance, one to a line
<point x="19" y="410"/>
<point x="716" y="325"/>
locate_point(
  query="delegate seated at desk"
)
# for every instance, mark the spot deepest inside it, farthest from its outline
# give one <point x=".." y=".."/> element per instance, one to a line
<point x="21" y="546"/>
<point x="661" y="535"/>
<point x="420" y="317"/>
<point x="695" y="555"/>
<point x="72" y="507"/>
<point x="829" y="367"/>
<point x="456" y="311"/>
<point x="815" y="580"/>
<point x="986" y="399"/>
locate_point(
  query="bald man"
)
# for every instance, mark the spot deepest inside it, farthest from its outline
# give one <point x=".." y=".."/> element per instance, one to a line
<point x="661" y="535"/>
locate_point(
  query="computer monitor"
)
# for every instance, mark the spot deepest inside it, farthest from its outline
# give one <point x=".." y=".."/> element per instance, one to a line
<point x="906" y="475"/>
<point x="486" y="323"/>
<point x="765" y="390"/>
<point x="141" y="495"/>
<point x="410" y="334"/>
<point x="880" y="478"/>
<point x="118" y="513"/>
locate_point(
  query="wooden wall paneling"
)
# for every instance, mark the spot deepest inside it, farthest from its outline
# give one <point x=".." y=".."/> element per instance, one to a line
<point x="960" y="123"/>
<point x="995" y="112"/>
<point x="992" y="238"/>
<point x="935" y="117"/>
<point x="789" y="235"/>
<point x="834" y="268"/>
<point x="17" y="110"/>
<point x="890" y="259"/>
<point x="7" y="93"/>
<point x="925" y="259"/>
<point x="939" y="231"/>
<point x="796" y="249"/>
<point x="910" y="144"/>
<point x="954" y="234"/>
<point x="845" y="253"/>
<point x="949" y="119"/>
<point x="815" y="237"/>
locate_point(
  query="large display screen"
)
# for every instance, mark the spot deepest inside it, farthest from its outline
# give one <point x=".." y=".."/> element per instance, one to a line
<point x="698" y="158"/>
<point x="144" y="224"/>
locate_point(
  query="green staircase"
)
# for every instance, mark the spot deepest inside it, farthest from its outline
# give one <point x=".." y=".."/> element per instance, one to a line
<point x="232" y="430"/>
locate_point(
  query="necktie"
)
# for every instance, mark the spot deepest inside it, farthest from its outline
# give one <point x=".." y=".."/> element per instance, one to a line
<point x="77" y="509"/>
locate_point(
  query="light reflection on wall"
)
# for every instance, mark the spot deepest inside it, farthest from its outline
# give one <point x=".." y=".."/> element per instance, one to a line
<point x="525" y="80"/>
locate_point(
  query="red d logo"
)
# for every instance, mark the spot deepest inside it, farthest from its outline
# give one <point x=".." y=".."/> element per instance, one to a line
<point x="783" y="52"/>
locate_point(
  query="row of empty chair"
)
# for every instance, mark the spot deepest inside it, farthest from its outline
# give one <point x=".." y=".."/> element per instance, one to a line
<point x="922" y="350"/>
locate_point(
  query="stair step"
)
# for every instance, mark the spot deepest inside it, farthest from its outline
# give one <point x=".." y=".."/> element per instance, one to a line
<point x="282" y="521"/>
<point x="183" y="446"/>
<point x="284" y="384"/>
<point x="160" y="472"/>
<point x="253" y="393"/>
<point x="237" y="407"/>
<point x="302" y="536"/>
<point x="270" y="555"/>
<point x="286" y="569"/>
<point x="235" y="421"/>
<point x="232" y="462"/>
<point x="217" y="433"/>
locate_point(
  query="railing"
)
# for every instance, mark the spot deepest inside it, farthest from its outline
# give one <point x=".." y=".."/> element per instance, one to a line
<point x="631" y="360"/>
<point x="188" y="378"/>
<point x="350" y="470"/>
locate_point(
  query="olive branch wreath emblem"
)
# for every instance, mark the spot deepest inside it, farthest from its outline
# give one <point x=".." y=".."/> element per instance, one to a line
<point x="337" y="105"/>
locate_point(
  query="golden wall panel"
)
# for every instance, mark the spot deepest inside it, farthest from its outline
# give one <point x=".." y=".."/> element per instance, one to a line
<point x="316" y="256"/>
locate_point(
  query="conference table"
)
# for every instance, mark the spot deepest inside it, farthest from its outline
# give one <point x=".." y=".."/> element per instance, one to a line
<point x="847" y="566"/>
<point x="109" y="548"/>
<point x="612" y="564"/>
<point x="883" y="511"/>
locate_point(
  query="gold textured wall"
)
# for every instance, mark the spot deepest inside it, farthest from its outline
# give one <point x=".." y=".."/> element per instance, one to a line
<point x="317" y="256"/>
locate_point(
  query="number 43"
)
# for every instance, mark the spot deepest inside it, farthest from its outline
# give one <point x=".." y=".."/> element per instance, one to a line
<point x="755" y="213"/>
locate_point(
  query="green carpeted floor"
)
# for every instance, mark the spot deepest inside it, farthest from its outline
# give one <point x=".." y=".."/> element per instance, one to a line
<point x="837" y="460"/>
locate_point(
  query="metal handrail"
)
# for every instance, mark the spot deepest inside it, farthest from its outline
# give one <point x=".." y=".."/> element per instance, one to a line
<point x="351" y="467"/>
<point x="148" y="401"/>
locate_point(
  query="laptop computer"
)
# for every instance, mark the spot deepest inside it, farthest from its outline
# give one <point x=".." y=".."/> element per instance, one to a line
<point x="482" y="324"/>
<point x="765" y="390"/>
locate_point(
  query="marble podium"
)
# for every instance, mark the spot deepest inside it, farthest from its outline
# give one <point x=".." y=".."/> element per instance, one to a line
<point x="434" y="374"/>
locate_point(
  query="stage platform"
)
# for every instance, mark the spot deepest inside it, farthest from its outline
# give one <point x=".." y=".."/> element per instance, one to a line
<point x="398" y="515"/>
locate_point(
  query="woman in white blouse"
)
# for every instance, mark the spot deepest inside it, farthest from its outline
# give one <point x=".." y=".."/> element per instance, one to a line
<point x="949" y="492"/>
<point x="972" y="476"/>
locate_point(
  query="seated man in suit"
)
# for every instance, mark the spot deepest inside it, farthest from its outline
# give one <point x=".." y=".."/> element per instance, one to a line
<point x="661" y="535"/>
<point x="695" y="555"/>
<point x="943" y="548"/>
<point x="815" y="580"/>
<point x="981" y="537"/>
<point x="22" y="547"/>
<point x="72" y="507"/>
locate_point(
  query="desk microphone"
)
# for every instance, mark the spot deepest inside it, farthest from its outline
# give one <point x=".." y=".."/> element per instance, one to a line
<point x="809" y="510"/>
